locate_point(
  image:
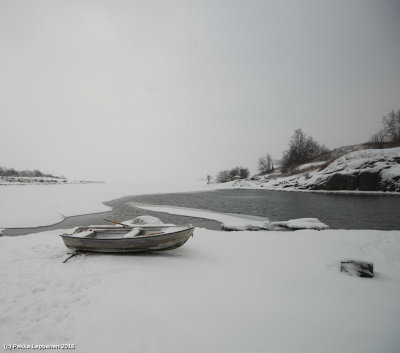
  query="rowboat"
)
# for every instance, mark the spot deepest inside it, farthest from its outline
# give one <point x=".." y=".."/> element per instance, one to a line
<point x="140" y="238"/>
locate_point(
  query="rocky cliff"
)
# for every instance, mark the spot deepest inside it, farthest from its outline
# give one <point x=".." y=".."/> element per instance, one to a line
<point x="364" y="170"/>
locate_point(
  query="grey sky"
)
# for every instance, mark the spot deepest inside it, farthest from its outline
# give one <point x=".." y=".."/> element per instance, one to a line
<point x="124" y="90"/>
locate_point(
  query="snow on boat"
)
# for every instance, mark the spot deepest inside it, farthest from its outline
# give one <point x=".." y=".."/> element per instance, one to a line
<point x="113" y="239"/>
<point x="129" y="238"/>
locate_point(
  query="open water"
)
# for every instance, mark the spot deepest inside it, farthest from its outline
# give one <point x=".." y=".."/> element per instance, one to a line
<point x="339" y="211"/>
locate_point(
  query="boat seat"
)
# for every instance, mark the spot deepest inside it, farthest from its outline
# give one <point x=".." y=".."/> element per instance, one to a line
<point x="133" y="233"/>
<point x="86" y="234"/>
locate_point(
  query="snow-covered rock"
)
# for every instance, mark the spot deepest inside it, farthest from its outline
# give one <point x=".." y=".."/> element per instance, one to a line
<point x="357" y="268"/>
<point x="241" y="225"/>
<point x="364" y="170"/>
<point x="302" y="223"/>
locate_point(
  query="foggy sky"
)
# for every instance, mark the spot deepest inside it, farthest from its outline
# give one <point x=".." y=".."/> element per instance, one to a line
<point x="133" y="90"/>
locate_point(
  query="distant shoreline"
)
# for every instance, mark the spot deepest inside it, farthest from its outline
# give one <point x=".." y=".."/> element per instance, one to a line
<point x="50" y="183"/>
<point x="340" y="192"/>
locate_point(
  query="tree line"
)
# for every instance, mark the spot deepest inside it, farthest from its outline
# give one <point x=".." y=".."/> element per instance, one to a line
<point x="232" y="174"/>
<point x="11" y="172"/>
<point x="302" y="149"/>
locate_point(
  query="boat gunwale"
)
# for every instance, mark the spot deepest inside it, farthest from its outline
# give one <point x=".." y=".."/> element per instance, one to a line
<point x="128" y="238"/>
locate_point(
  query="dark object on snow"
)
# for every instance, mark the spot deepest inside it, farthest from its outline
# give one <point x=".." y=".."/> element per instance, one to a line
<point x="357" y="268"/>
<point x="70" y="256"/>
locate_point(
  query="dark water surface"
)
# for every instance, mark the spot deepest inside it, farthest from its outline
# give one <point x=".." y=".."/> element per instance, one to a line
<point x="339" y="211"/>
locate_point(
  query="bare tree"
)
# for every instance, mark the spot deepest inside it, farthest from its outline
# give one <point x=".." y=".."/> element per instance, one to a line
<point x="12" y="172"/>
<point x="240" y="172"/>
<point x="302" y="149"/>
<point x="223" y="176"/>
<point x="266" y="164"/>
<point x="24" y="173"/>
<point x="378" y="139"/>
<point x="244" y="173"/>
<point x="391" y="124"/>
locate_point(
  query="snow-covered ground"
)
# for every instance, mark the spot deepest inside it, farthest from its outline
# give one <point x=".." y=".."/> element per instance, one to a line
<point x="309" y="165"/>
<point x="40" y="205"/>
<point x="264" y="291"/>
<point x="385" y="163"/>
<point x="221" y="292"/>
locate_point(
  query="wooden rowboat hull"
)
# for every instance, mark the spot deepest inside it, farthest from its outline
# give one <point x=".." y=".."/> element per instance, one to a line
<point x="157" y="242"/>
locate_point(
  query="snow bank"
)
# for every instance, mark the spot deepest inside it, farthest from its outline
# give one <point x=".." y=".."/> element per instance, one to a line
<point x="236" y="222"/>
<point x="310" y="165"/>
<point x="184" y="211"/>
<point x="40" y="205"/>
<point x="232" y="222"/>
<point x="241" y="225"/>
<point x="302" y="223"/>
<point x="221" y="292"/>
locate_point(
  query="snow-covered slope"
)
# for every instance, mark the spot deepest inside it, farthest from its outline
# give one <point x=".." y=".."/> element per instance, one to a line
<point x="364" y="170"/>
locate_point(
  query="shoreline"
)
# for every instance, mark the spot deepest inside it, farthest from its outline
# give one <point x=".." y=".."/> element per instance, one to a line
<point x="33" y="230"/>
<point x="32" y="206"/>
<point x="96" y="206"/>
<point x="339" y="192"/>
